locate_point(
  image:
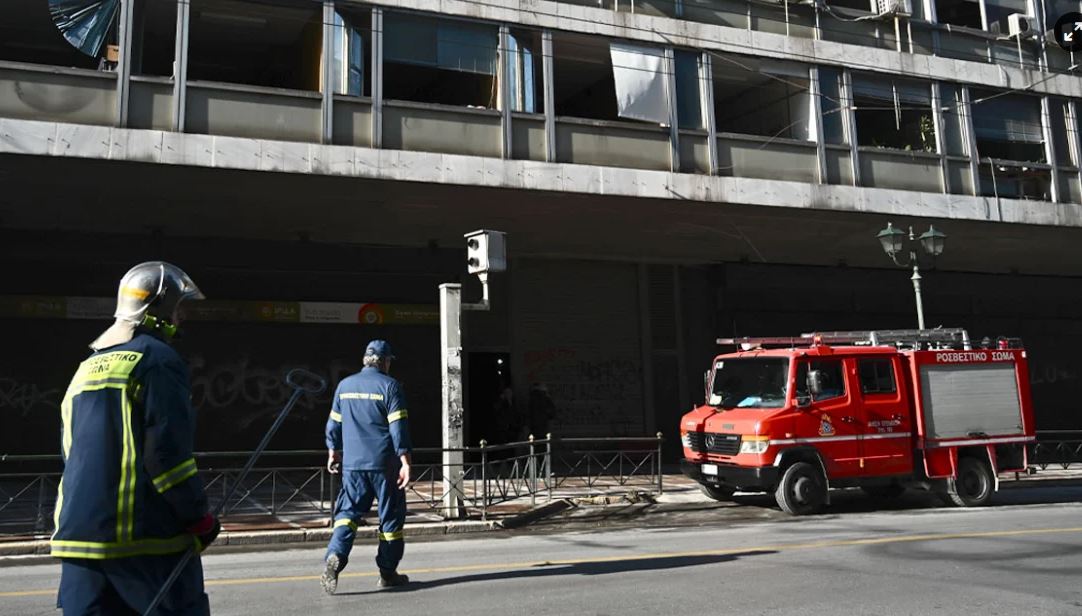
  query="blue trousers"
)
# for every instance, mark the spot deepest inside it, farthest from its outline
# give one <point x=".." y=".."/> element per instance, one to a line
<point x="122" y="586"/>
<point x="359" y="488"/>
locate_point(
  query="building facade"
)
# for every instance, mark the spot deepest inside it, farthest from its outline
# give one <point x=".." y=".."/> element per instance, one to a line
<point x="667" y="172"/>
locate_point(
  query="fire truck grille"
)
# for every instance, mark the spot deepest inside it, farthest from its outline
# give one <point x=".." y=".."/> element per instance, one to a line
<point x="713" y="442"/>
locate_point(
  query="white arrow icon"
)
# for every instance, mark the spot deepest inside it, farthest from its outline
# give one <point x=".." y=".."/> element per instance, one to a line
<point x="1068" y="37"/>
<point x="1078" y="26"/>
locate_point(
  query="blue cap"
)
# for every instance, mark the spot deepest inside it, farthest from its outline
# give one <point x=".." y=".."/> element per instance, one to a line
<point x="379" y="348"/>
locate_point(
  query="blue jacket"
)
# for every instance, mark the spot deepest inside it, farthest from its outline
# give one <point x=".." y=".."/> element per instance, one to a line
<point x="129" y="486"/>
<point x="369" y="422"/>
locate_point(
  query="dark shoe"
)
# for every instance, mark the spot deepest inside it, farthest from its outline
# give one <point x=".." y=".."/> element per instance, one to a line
<point x="390" y="579"/>
<point x="329" y="579"/>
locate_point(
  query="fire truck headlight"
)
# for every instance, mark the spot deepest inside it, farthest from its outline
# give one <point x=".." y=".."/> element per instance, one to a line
<point x="685" y="440"/>
<point x="754" y="444"/>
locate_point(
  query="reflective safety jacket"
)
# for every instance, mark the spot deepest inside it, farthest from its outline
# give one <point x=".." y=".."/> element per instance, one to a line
<point x="368" y="422"/>
<point x="129" y="486"/>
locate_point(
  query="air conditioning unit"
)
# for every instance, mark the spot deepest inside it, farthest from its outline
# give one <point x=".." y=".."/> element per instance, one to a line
<point x="894" y="7"/>
<point x="1020" y="24"/>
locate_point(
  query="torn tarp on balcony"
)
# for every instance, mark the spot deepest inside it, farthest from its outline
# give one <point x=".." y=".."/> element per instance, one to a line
<point x="639" y="73"/>
<point x="84" y="23"/>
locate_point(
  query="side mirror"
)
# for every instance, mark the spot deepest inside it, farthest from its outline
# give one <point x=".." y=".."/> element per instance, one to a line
<point x="815" y="383"/>
<point x="706" y="386"/>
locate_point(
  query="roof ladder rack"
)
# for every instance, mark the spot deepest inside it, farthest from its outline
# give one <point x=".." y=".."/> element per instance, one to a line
<point x="915" y="338"/>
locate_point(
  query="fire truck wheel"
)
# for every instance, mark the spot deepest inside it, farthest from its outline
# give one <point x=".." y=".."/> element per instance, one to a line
<point x="718" y="493"/>
<point x="802" y="489"/>
<point x="974" y="483"/>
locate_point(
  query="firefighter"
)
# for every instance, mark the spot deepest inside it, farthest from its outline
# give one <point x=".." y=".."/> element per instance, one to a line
<point x="368" y="441"/>
<point x="129" y="503"/>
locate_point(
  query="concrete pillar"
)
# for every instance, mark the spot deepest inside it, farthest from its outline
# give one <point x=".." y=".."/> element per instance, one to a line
<point x="550" y="102"/>
<point x="706" y="96"/>
<point x="377" y="77"/>
<point x="124" y="63"/>
<point x="327" y="110"/>
<point x="180" y="65"/>
<point x="453" y="413"/>
<point x="503" y="83"/>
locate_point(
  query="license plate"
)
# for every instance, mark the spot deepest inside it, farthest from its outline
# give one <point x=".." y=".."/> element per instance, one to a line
<point x="710" y="469"/>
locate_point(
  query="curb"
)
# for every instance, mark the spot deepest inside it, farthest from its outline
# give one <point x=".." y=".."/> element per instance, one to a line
<point x="537" y="513"/>
<point x="37" y="551"/>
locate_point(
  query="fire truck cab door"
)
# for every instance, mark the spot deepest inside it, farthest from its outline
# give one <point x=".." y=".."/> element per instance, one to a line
<point x="887" y="446"/>
<point x="833" y="422"/>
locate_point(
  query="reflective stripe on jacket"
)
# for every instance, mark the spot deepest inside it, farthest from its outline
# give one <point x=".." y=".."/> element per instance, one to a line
<point x="129" y="486"/>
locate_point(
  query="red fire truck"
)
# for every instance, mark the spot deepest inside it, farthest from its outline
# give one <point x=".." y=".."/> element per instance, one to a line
<point x="880" y="410"/>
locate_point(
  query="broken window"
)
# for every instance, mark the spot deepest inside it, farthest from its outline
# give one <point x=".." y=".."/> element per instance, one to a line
<point x="959" y="13"/>
<point x="1008" y="127"/>
<point x="996" y="12"/>
<point x="830" y="99"/>
<point x="753" y="96"/>
<point x="639" y="75"/>
<point x="688" y="89"/>
<point x="28" y="34"/>
<point x="524" y="54"/>
<point x="439" y="61"/>
<point x="154" y="37"/>
<point x="954" y="135"/>
<point x="349" y="45"/>
<point x="893" y="113"/>
<point x="260" y="43"/>
<point x="1013" y="181"/>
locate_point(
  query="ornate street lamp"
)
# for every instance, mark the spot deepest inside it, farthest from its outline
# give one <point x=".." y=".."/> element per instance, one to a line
<point x="894" y="241"/>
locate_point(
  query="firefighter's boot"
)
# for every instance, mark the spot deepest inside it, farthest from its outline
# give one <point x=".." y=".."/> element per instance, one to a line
<point x="329" y="579"/>
<point x="390" y="579"/>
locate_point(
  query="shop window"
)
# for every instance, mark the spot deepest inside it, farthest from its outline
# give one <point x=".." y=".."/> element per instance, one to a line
<point x="349" y="52"/>
<point x="28" y="34"/>
<point x="260" y="43"/>
<point x="524" y="54"/>
<point x="753" y="96"/>
<point x="893" y="114"/>
<point x="688" y="89"/>
<point x="439" y="61"/>
<point x="1015" y="181"/>
<point x="1008" y="127"/>
<point x="965" y="13"/>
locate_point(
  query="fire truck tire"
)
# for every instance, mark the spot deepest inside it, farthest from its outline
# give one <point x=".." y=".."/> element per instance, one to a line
<point x="974" y="484"/>
<point x="719" y="493"/>
<point x="802" y="489"/>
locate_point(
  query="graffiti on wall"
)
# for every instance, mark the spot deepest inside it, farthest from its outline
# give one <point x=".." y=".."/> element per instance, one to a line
<point x="592" y="395"/>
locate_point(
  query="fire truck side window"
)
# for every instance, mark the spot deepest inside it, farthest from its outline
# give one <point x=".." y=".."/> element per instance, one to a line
<point x="876" y="376"/>
<point x="833" y="378"/>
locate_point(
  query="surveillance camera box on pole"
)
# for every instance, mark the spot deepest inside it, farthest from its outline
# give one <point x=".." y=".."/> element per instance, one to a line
<point x="486" y="252"/>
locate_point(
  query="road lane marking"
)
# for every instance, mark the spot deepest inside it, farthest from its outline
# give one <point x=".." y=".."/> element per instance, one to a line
<point x="781" y="547"/>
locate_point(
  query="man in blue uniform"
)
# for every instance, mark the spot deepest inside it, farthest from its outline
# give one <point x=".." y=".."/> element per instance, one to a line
<point x="130" y="503"/>
<point x="368" y="440"/>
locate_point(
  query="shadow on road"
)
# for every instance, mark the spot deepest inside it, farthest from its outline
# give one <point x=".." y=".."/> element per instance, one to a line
<point x="603" y="567"/>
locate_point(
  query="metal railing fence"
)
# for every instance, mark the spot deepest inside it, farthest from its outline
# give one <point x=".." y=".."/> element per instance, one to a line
<point x="295" y="488"/>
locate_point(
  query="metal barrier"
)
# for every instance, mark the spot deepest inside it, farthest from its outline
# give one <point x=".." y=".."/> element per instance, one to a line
<point x="1057" y="448"/>
<point x="295" y="487"/>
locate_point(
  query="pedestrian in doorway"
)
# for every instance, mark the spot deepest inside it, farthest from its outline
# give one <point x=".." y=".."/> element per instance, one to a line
<point x="368" y="442"/>
<point x="130" y="503"/>
<point x="542" y="410"/>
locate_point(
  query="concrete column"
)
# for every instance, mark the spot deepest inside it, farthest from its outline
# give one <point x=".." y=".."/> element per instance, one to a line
<point x="815" y="91"/>
<point x="453" y="413"/>
<point x="971" y="140"/>
<point x="1074" y="142"/>
<point x="674" y="116"/>
<point x="850" y="118"/>
<point x="1049" y="146"/>
<point x="328" y="71"/>
<point x="377" y="77"/>
<point x="706" y="96"/>
<point x="180" y="65"/>
<point x="123" y="67"/>
<point x="550" y="102"/>
<point x="504" y="84"/>
<point x="940" y="138"/>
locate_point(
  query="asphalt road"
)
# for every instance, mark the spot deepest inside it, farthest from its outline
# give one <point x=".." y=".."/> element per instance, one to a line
<point x="1022" y="556"/>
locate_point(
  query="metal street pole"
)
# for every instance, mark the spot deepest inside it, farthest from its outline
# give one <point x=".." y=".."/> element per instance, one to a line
<point x="451" y="364"/>
<point x="916" y="291"/>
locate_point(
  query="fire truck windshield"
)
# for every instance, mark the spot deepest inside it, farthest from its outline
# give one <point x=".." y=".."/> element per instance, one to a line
<point x="750" y="383"/>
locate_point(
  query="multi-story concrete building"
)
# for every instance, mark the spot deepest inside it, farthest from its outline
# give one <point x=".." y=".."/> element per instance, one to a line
<point x="667" y="171"/>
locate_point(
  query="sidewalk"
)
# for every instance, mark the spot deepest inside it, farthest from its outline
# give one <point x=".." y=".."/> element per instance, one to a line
<point x="679" y="491"/>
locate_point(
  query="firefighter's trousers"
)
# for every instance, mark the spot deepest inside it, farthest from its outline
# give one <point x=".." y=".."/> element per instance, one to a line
<point x="123" y="586"/>
<point x="355" y="500"/>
